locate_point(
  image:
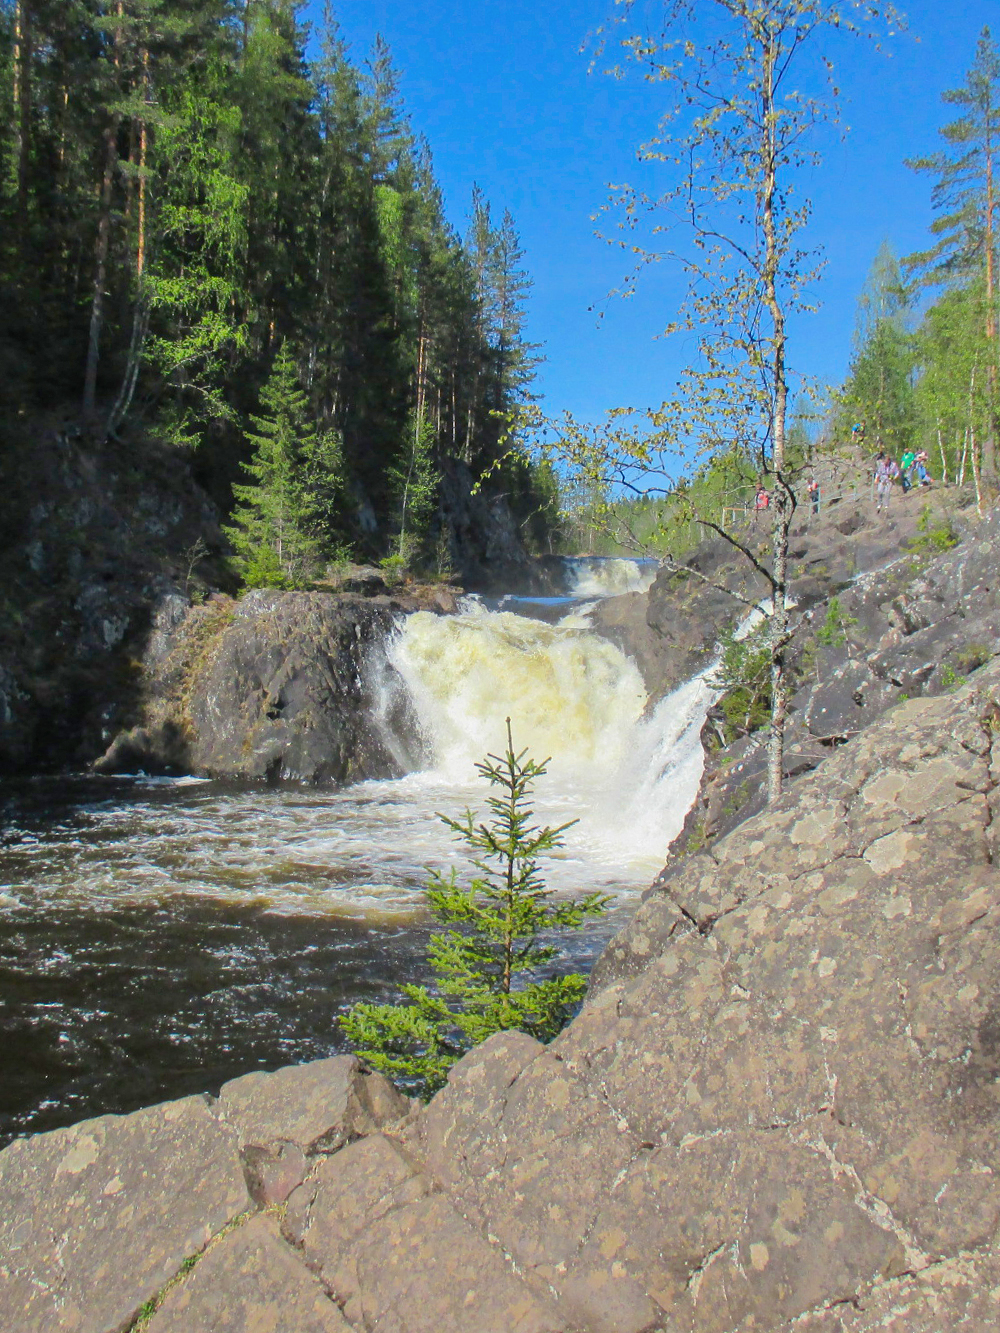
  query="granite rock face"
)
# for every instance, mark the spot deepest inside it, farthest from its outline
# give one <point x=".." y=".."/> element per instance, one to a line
<point x="776" y="1111"/>
<point x="250" y="1282"/>
<point x="98" y="1217"/>
<point x="93" y="539"/>
<point x="672" y="630"/>
<point x="277" y="686"/>
<point x="916" y="627"/>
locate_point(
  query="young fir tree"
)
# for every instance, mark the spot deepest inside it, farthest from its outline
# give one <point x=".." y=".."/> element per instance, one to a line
<point x="275" y="521"/>
<point x="485" y="960"/>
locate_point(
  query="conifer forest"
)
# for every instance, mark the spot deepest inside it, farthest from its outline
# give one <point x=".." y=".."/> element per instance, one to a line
<point x="218" y="242"/>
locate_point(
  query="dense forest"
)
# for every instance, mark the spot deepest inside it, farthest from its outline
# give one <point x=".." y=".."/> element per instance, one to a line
<point x="212" y="240"/>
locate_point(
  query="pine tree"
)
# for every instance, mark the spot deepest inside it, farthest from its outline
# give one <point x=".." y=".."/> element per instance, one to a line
<point x="964" y="194"/>
<point x="271" y="528"/>
<point x="487" y="960"/>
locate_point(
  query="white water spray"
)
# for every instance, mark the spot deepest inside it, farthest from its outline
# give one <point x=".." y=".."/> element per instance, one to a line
<point x="608" y="576"/>
<point x="628" y="774"/>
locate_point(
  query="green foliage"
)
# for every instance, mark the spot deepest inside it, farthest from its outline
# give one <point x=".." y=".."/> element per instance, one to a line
<point x="879" y="389"/>
<point x="833" y="631"/>
<point x="958" y="388"/>
<point x="280" y="522"/>
<point x="950" y="679"/>
<point x="936" y="534"/>
<point x="486" y="962"/>
<point x="393" y="568"/>
<point x="414" y="481"/>
<point x="744" y="676"/>
<point x="963" y="171"/>
<point x="182" y="193"/>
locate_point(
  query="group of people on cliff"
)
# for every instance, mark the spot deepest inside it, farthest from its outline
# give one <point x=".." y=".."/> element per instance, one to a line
<point x="910" y="471"/>
<point x="762" y="498"/>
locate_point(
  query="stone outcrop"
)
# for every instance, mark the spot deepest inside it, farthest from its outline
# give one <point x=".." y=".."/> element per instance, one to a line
<point x="914" y="628"/>
<point x="672" y="630"/>
<point x="99" y="1219"/>
<point x="277" y="685"/>
<point x="776" y="1111"/>
<point x="92" y="539"/>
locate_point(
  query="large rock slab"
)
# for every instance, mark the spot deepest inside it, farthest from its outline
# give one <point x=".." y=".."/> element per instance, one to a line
<point x="783" y="1091"/>
<point x="317" y="1106"/>
<point x="962" y="1293"/>
<point x="422" y="1269"/>
<point x="250" y="1282"/>
<point x="275" y="686"/>
<point x="98" y="1217"/>
<point x="397" y="1253"/>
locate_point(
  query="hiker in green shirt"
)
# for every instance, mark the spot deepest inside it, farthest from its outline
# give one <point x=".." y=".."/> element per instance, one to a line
<point x="906" y="466"/>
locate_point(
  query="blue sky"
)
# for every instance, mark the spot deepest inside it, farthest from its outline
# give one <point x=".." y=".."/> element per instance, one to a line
<point x="502" y="92"/>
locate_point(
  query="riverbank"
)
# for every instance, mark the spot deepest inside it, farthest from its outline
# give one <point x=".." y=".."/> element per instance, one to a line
<point x="775" y="1110"/>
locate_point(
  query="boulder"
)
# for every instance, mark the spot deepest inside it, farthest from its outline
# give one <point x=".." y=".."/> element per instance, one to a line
<point x="277" y="686"/>
<point x="98" y="1217"/>
<point x="316" y="1106"/>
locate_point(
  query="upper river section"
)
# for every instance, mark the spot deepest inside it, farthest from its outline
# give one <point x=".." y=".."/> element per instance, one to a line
<point x="159" y="936"/>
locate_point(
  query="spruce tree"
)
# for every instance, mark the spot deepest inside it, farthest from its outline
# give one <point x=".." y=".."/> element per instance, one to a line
<point x="272" y="532"/>
<point x="486" y="962"/>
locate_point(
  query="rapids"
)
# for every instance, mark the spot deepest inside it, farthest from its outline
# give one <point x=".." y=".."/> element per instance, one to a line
<point x="158" y="936"/>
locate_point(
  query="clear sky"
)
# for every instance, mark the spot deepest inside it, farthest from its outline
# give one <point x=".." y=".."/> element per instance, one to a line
<point x="502" y="92"/>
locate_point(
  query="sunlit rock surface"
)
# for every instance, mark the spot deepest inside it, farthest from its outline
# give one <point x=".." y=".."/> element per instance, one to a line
<point x="777" y="1110"/>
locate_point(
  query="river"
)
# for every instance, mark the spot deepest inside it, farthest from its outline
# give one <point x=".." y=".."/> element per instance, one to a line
<point x="158" y="936"/>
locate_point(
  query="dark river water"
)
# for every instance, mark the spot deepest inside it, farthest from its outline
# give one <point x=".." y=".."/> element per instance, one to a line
<point x="158" y="937"/>
<point x="122" y="985"/>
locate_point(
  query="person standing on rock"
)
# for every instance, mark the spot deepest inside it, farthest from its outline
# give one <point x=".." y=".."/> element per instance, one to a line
<point x="923" y="476"/>
<point x="761" y="501"/>
<point x="907" y="464"/>
<point x="886" y="471"/>
<point x="813" y="492"/>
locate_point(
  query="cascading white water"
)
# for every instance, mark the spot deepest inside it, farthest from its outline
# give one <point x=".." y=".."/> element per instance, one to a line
<point x="608" y="576"/>
<point x="627" y="772"/>
<point x="628" y="775"/>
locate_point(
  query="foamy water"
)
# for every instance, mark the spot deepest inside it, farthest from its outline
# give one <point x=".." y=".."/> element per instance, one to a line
<point x="609" y="576"/>
<point x="158" y="936"/>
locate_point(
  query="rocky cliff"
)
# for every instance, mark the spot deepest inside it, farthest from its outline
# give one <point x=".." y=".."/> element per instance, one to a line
<point x="93" y="539"/>
<point x="777" y="1110"/>
<point x="276" y="686"/>
<point x="104" y="550"/>
<point x="917" y="608"/>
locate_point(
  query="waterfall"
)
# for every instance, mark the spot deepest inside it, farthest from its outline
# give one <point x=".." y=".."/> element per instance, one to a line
<point x="608" y="576"/>
<point x="628" y="773"/>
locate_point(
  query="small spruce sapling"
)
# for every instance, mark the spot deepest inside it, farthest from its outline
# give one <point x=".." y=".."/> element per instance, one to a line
<point x="833" y="631"/>
<point x="486" y="960"/>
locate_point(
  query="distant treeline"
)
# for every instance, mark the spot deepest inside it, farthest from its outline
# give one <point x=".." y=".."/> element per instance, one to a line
<point x="192" y="209"/>
<point x="925" y="365"/>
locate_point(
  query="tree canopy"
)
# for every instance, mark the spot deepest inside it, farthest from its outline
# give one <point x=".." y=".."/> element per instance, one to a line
<point x="184" y="195"/>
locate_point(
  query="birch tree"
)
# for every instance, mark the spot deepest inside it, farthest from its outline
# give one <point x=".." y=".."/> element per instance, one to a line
<point x="750" y="92"/>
